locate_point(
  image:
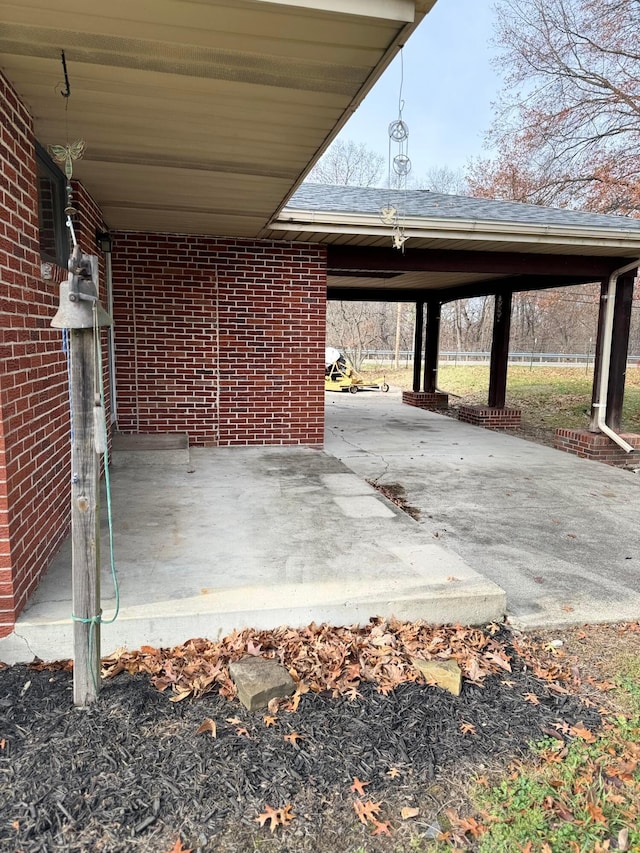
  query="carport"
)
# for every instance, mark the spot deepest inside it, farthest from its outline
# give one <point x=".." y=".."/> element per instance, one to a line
<point x="456" y="247"/>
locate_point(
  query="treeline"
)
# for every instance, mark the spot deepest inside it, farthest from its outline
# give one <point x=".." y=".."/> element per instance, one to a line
<point x="559" y="320"/>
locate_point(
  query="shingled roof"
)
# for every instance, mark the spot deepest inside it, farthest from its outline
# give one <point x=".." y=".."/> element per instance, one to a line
<point x="432" y="205"/>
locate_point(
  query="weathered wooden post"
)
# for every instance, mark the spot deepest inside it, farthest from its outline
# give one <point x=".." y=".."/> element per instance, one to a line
<point x="81" y="314"/>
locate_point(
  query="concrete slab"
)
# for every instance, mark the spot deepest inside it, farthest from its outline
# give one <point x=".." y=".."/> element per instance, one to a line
<point x="559" y="534"/>
<point x="254" y="537"/>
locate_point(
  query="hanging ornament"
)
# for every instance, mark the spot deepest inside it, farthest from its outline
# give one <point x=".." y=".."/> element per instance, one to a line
<point x="399" y="168"/>
<point x="67" y="154"/>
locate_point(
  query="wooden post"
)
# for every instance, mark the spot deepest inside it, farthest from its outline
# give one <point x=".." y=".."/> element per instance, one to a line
<point x="619" y="349"/>
<point x="417" y="345"/>
<point x="398" y="328"/>
<point x="432" y="346"/>
<point x="500" y="350"/>
<point x="85" y="533"/>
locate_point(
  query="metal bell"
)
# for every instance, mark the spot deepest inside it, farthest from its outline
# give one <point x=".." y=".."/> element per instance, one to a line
<point x="78" y="294"/>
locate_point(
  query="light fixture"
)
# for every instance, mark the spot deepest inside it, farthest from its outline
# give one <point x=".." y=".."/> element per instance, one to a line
<point x="103" y="241"/>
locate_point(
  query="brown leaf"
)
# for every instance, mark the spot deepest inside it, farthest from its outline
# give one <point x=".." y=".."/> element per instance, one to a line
<point x="235" y="721"/>
<point x="269" y="720"/>
<point x="467" y="728"/>
<point x="623" y="839"/>
<point x="393" y="773"/>
<point x="277" y="817"/>
<point x="178" y="848"/>
<point x="567" y="608"/>
<point x="242" y="732"/>
<point x="358" y="786"/>
<point x="293" y="738"/>
<point x="366" y="811"/>
<point x="583" y="733"/>
<point x="531" y="697"/>
<point x="596" y="813"/>
<point x="408" y="812"/>
<point x="207" y="725"/>
<point x="381" y="828"/>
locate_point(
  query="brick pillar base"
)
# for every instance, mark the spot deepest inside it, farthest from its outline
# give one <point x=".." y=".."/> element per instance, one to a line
<point x="489" y="417"/>
<point x="426" y="399"/>
<point x="597" y="446"/>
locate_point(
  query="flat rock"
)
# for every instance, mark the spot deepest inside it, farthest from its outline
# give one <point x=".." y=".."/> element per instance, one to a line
<point x="445" y="673"/>
<point x="258" y="681"/>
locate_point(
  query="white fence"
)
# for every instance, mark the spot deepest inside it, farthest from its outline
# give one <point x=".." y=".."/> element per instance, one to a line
<point x="563" y="359"/>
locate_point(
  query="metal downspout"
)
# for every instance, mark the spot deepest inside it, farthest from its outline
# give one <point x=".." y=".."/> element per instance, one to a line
<point x="601" y="405"/>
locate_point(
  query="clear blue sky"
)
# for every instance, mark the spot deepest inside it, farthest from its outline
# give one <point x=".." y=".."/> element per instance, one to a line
<point x="448" y="88"/>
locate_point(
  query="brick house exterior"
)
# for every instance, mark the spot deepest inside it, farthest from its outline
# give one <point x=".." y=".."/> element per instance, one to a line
<point x="222" y="339"/>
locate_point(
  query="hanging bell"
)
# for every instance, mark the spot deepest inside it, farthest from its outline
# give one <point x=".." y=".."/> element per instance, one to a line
<point x="78" y="294"/>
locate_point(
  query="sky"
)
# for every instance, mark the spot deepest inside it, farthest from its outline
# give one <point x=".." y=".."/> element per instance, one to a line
<point x="448" y="88"/>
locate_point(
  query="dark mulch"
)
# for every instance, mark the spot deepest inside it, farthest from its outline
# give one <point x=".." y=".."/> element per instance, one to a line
<point x="132" y="774"/>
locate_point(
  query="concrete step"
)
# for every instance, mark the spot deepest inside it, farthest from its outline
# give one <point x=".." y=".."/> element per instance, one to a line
<point x="141" y="449"/>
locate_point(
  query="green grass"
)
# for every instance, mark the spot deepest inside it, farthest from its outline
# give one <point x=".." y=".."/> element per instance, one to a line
<point x="550" y="397"/>
<point x="582" y="797"/>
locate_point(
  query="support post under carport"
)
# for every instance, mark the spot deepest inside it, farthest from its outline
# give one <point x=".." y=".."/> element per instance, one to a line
<point x="500" y="350"/>
<point x="495" y="415"/>
<point x="432" y="347"/>
<point x="619" y="350"/>
<point x="429" y="397"/>
<point x="418" y="339"/>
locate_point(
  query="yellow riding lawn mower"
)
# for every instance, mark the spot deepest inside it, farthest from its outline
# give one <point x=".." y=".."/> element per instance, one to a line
<point x="341" y="375"/>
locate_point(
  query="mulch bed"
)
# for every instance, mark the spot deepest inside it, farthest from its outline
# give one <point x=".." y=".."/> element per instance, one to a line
<point x="131" y="773"/>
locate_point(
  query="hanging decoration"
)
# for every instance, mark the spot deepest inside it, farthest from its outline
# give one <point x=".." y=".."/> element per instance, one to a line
<point x="399" y="168"/>
<point x="67" y="154"/>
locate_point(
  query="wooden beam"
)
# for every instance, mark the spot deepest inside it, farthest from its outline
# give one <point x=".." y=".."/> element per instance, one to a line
<point x="500" y="350"/>
<point x="343" y="259"/>
<point x="486" y="287"/>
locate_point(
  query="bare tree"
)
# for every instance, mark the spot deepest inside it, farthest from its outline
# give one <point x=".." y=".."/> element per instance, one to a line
<point x="567" y="125"/>
<point x="441" y="179"/>
<point x="349" y="164"/>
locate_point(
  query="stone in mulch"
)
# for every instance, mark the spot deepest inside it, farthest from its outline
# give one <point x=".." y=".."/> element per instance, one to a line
<point x="132" y="774"/>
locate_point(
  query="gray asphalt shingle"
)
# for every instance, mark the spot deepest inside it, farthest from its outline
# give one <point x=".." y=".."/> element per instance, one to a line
<point x="369" y="200"/>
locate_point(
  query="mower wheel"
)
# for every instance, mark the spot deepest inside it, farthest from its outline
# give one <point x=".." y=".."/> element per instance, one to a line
<point x="353" y="389"/>
<point x="384" y="387"/>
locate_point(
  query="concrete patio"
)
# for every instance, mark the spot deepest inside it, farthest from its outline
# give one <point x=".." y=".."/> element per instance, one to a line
<point x="231" y="537"/>
<point x="217" y="539"/>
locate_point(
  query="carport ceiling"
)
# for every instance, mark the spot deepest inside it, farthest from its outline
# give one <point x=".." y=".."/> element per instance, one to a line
<point x="200" y="116"/>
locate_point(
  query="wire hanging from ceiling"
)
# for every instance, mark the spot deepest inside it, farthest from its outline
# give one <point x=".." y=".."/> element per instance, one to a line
<point x="399" y="167"/>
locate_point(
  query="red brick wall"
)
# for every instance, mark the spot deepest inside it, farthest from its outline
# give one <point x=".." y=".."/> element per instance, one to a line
<point x="597" y="446"/>
<point x="220" y="338"/>
<point x="490" y="418"/>
<point x="33" y="383"/>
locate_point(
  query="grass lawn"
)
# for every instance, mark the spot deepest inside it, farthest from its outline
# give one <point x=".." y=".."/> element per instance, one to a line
<point x="550" y="397"/>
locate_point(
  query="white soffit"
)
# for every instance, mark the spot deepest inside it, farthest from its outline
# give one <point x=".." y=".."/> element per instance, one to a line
<point x="199" y="116"/>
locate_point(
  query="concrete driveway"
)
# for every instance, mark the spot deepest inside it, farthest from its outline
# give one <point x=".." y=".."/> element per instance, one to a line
<point x="559" y="534"/>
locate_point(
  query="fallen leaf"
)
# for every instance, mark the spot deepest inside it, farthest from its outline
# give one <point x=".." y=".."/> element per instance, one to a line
<point x="293" y="738"/>
<point x="467" y="728"/>
<point x="409" y="812"/>
<point x="269" y="721"/>
<point x="178" y="848"/>
<point x="583" y="733"/>
<point x="181" y="694"/>
<point x="207" y="725"/>
<point x="3" y="743"/>
<point x="235" y="721"/>
<point x="567" y="608"/>
<point x="242" y="732"/>
<point x="393" y="773"/>
<point x="366" y="811"/>
<point x="277" y="817"/>
<point x="358" y="786"/>
<point x="381" y="828"/>
<point x="623" y="839"/>
<point x="531" y="697"/>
